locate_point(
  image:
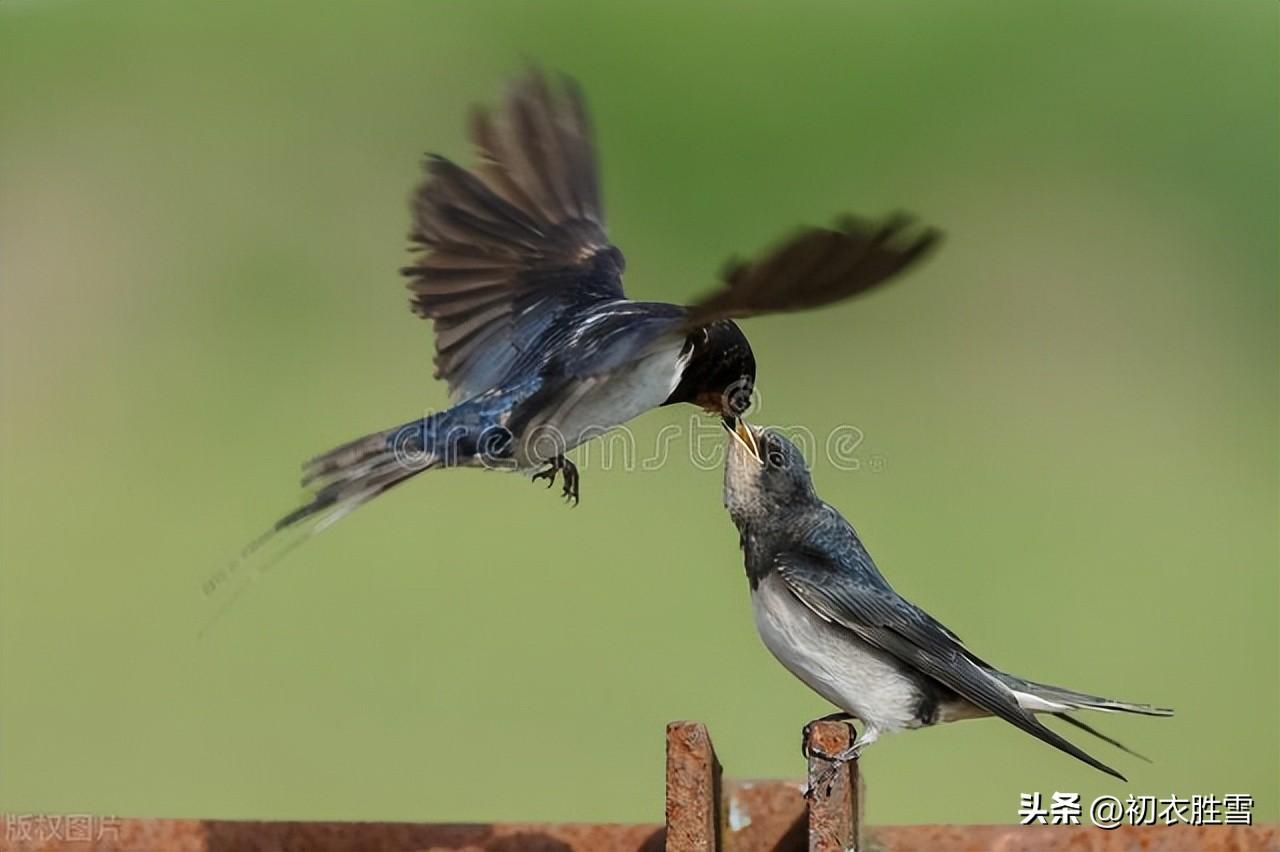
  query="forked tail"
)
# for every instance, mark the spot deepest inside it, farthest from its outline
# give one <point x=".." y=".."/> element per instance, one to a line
<point x="1061" y="702"/>
<point x="346" y="477"/>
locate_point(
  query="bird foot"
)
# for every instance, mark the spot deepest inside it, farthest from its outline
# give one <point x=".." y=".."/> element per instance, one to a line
<point x="549" y="474"/>
<point x="569" y="482"/>
<point x="570" y="488"/>
<point x="825" y="779"/>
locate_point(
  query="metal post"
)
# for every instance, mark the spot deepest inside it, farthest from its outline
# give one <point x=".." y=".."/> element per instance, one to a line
<point x="835" y="818"/>
<point x="693" y="789"/>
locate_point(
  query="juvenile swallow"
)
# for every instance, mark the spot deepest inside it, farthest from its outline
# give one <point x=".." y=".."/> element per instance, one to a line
<point x="823" y="609"/>
<point x="539" y="345"/>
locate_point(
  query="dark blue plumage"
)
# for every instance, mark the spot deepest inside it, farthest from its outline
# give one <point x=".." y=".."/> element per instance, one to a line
<point x="534" y="334"/>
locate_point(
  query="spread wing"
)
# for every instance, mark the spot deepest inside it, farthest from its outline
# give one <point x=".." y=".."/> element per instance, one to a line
<point x="505" y="248"/>
<point x="817" y="266"/>
<point x="879" y="616"/>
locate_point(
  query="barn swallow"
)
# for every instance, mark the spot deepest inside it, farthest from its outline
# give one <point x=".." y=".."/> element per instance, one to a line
<point x="539" y="345"/>
<point x="823" y="609"/>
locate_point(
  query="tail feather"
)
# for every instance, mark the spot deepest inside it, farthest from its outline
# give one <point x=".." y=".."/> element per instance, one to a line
<point x="341" y="481"/>
<point x="1073" y="700"/>
<point x="1029" y="723"/>
<point x="344" y="457"/>
<point x="351" y="475"/>
<point x="1061" y="702"/>
<point x="1089" y="729"/>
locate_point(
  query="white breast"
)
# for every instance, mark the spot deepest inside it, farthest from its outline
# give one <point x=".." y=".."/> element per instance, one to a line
<point x="617" y="397"/>
<point x="856" y="677"/>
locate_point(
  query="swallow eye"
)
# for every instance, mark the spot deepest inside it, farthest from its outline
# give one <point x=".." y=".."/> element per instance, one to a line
<point x="738" y="397"/>
<point x="773" y="454"/>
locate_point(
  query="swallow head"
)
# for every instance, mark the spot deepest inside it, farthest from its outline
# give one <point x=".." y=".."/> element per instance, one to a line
<point x="719" y="372"/>
<point x="765" y="474"/>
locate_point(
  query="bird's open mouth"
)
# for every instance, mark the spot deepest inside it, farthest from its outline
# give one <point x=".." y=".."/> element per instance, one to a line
<point x="741" y="432"/>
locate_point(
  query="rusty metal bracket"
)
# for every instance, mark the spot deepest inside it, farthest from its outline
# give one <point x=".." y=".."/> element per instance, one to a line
<point x="704" y="813"/>
<point x="773" y="816"/>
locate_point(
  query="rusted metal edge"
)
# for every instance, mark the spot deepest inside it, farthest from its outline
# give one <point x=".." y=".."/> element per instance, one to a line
<point x="772" y="832"/>
<point x="1075" y="838"/>
<point x="165" y="835"/>
<point x="693" y="790"/>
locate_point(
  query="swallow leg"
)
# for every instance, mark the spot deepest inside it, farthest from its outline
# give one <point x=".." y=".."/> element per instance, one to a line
<point x="570" y="489"/>
<point x="827" y="777"/>
<point x="561" y="465"/>
<point x="549" y="474"/>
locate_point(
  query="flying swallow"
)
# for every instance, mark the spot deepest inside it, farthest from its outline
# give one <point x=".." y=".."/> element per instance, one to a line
<point x="823" y="609"/>
<point x="539" y="345"/>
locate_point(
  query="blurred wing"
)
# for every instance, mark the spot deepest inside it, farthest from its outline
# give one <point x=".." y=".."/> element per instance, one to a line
<point x="817" y="267"/>
<point x="506" y="247"/>
<point x="879" y="616"/>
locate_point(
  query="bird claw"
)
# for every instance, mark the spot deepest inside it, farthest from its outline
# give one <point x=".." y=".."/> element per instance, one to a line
<point x="826" y="779"/>
<point x="549" y="475"/>
<point x="569" y="485"/>
<point x="570" y="489"/>
<point x="811" y="790"/>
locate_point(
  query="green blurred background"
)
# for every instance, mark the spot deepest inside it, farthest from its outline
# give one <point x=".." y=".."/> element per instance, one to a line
<point x="1070" y="414"/>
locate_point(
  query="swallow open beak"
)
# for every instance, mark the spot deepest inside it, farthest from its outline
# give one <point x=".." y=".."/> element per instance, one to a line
<point x="741" y="432"/>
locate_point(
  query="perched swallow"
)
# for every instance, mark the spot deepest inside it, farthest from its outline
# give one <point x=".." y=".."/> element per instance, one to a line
<point x="826" y="613"/>
<point x="539" y="345"/>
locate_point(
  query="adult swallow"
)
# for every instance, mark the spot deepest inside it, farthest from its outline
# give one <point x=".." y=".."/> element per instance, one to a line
<point x="826" y="613"/>
<point x="539" y="345"/>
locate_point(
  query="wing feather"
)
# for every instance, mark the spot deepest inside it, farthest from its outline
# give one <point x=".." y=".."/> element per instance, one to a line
<point x="816" y="267"/>
<point x="505" y="248"/>
<point x="885" y="620"/>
